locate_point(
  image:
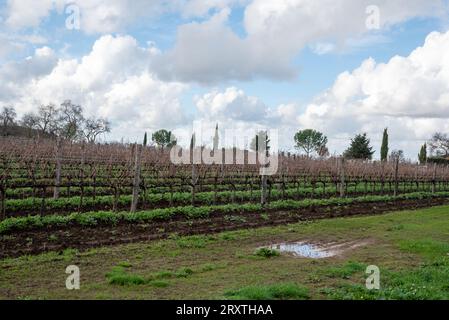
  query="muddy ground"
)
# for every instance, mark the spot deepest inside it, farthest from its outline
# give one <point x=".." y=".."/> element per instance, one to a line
<point x="41" y="240"/>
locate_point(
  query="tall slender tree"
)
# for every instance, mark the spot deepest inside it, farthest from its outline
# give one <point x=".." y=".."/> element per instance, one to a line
<point x="145" y="140"/>
<point x="422" y="156"/>
<point x="216" y="138"/>
<point x="384" y="148"/>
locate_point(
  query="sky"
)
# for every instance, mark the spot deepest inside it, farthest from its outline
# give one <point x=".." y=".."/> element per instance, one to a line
<point x="342" y="67"/>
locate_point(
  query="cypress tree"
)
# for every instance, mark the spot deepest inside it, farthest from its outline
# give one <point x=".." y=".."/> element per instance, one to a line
<point x="145" y="140"/>
<point x="422" y="156"/>
<point x="384" y="149"/>
<point x="216" y="138"/>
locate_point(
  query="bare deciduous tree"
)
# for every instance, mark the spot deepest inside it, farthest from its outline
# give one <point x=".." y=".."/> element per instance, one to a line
<point x="440" y="144"/>
<point x="94" y="127"/>
<point x="47" y="118"/>
<point x="7" y="118"/>
<point x="70" y="120"/>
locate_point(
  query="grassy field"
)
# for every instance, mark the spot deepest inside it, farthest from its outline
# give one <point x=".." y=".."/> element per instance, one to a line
<point x="410" y="248"/>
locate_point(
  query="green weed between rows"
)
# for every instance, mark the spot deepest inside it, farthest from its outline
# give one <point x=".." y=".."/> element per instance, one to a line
<point x="112" y="218"/>
<point x="179" y="198"/>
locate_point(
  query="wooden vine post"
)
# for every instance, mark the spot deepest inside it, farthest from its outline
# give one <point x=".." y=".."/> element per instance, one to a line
<point x="396" y="172"/>
<point x="3" y="189"/>
<point x="58" y="169"/>
<point x="342" y="177"/>
<point x="434" y="178"/>
<point x="81" y="176"/>
<point x="193" y="182"/>
<point x="137" y="170"/>
<point x="2" y="204"/>
<point x="264" y="185"/>
<point x="195" y="155"/>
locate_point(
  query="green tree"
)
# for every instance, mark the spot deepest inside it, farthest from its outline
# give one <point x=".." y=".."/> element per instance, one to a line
<point x="422" y="156"/>
<point x="384" y="148"/>
<point x="164" y="139"/>
<point x="360" y="148"/>
<point x="310" y="141"/>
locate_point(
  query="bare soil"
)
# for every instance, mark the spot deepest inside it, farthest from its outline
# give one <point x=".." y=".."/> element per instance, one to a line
<point x="57" y="238"/>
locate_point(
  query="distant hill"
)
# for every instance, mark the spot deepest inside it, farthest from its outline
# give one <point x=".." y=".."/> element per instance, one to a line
<point x="20" y="131"/>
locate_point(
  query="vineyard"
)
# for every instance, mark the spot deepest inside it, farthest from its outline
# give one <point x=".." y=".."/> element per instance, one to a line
<point x="53" y="186"/>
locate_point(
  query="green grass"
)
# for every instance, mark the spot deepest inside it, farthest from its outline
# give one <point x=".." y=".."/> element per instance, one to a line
<point x="119" y="276"/>
<point x="427" y="282"/>
<point x="266" y="253"/>
<point x="411" y="249"/>
<point x="283" y="291"/>
<point x="345" y="271"/>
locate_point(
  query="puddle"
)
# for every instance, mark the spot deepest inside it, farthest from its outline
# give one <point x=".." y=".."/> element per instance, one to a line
<point x="303" y="250"/>
<point x="315" y="251"/>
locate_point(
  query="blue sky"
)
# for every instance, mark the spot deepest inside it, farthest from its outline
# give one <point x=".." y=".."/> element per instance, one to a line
<point x="221" y="60"/>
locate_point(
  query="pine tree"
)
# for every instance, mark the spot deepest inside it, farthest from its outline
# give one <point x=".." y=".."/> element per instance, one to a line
<point x="384" y="149"/>
<point x="360" y="148"/>
<point x="422" y="156"/>
<point x="309" y="141"/>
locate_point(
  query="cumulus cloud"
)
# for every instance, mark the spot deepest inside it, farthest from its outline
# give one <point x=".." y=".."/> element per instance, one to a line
<point x="244" y="115"/>
<point x="8" y="46"/>
<point x="407" y="94"/>
<point x="106" y="16"/>
<point x="201" y="8"/>
<point x="276" y="31"/>
<point x="232" y="104"/>
<point x="29" y="13"/>
<point x="97" y="16"/>
<point x="112" y="81"/>
<point x="210" y="51"/>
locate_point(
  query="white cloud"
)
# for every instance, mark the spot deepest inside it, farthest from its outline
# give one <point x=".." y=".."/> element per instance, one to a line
<point x="232" y="104"/>
<point x="211" y="51"/>
<point x="276" y="31"/>
<point x="245" y="115"/>
<point x="29" y="13"/>
<point x="322" y="48"/>
<point x="106" y="16"/>
<point x="9" y="46"/>
<point x="407" y="94"/>
<point x="201" y="8"/>
<point x="113" y="80"/>
<point x="97" y="16"/>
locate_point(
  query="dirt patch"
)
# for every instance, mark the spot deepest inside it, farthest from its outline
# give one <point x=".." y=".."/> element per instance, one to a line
<point x="80" y="237"/>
